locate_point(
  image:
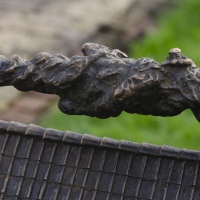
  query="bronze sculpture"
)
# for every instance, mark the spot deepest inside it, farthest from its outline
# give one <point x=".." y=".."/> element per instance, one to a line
<point x="104" y="82"/>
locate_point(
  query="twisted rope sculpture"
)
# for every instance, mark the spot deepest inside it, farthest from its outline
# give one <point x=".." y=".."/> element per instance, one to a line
<point x="104" y="82"/>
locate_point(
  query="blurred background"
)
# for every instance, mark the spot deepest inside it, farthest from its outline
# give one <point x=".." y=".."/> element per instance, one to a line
<point x="138" y="27"/>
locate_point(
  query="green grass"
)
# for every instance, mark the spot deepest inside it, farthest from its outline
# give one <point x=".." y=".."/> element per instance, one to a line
<point x="179" y="27"/>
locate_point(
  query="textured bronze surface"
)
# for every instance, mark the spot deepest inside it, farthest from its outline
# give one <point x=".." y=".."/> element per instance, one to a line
<point x="104" y="82"/>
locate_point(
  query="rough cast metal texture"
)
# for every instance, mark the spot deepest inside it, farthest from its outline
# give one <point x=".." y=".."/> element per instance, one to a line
<point x="38" y="163"/>
<point x="103" y="82"/>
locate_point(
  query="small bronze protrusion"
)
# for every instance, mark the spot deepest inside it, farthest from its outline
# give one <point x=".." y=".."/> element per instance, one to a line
<point x="175" y="53"/>
<point x="177" y="58"/>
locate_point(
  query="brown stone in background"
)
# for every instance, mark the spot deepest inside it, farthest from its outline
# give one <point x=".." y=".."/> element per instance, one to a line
<point x="28" y="107"/>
